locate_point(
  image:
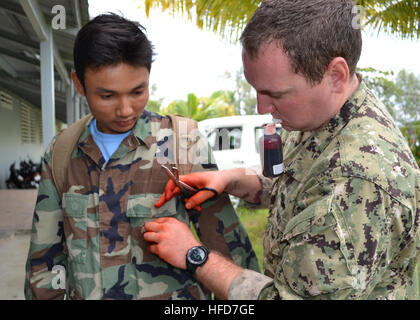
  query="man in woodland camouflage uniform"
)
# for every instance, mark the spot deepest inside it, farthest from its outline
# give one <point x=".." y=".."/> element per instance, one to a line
<point x="94" y="233"/>
<point x="344" y="215"/>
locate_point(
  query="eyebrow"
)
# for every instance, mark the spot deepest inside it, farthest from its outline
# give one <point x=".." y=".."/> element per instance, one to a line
<point x="104" y="90"/>
<point x="275" y="93"/>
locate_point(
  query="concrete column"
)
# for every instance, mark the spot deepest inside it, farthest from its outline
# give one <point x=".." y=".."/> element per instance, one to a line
<point x="47" y="88"/>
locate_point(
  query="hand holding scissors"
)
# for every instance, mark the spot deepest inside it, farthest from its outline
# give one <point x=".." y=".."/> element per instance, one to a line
<point x="175" y="186"/>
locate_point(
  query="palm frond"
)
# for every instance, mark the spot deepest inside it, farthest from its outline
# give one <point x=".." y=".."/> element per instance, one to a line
<point x="400" y="18"/>
<point x="228" y="17"/>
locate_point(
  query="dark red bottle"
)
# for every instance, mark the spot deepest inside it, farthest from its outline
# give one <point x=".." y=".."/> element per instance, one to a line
<point x="271" y="152"/>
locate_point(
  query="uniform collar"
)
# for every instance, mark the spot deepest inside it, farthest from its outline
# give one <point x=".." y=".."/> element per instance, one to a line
<point x="300" y="155"/>
<point x="143" y="129"/>
<point x="141" y="135"/>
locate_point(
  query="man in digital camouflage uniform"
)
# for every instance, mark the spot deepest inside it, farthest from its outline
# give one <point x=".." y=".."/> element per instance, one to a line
<point x="94" y="234"/>
<point x="344" y="215"/>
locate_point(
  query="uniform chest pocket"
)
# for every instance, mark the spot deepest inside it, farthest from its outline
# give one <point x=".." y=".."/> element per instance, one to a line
<point x="140" y="209"/>
<point x="75" y="225"/>
<point x="312" y="221"/>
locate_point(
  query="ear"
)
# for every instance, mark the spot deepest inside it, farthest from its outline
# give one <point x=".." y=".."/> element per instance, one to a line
<point x="339" y="74"/>
<point x="78" y="85"/>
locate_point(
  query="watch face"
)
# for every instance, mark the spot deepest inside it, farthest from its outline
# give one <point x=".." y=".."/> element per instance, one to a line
<point x="196" y="255"/>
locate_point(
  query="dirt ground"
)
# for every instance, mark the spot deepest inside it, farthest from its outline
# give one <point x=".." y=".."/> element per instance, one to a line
<point x="16" y="210"/>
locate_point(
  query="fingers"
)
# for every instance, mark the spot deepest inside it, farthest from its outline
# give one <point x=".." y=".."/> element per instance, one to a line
<point x="171" y="190"/>
<point x="161" y="200"/>
<point x="192" y="179"/>
<point x="198" y="208"/>
<point x="198" y="199"/>
<point x="156" y="225"/>
<point x="153" y="228"/>
<point x="169" y="239"/>
<point x="153" y="248"/>
<point x="197" y="180"/>
<point x="151" y="237"/>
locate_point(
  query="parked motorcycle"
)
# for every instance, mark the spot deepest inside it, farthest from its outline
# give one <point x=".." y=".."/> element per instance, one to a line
<point x="26" y="177"/>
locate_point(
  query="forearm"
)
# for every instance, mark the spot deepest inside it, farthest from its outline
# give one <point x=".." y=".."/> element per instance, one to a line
<point x="229" y="281"/>
<point x="243" y="183"/>
<point x="170" y="239"/>
<point x="217" y="274"/>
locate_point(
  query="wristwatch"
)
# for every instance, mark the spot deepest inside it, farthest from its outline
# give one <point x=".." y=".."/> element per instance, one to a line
<point x="196" y="257"/>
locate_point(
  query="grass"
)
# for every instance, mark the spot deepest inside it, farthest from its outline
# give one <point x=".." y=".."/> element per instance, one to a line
<point x="418" y="270"/>
<point x="254" y="222"/>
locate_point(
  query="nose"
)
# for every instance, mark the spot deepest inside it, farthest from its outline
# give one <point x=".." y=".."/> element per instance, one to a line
<point x="124" y="109"/>
<point x="264" y="104"/>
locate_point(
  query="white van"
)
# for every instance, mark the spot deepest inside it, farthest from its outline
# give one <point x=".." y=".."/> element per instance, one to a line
<point x="234" y="140"/>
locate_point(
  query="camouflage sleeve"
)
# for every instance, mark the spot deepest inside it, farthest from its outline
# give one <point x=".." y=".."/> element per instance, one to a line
<point x="46" y="263"/>
<point x="264" y="194"/>
<point x="340" y="246"/>
<point x="218" y="226"/>
<point x="248" y="285"/>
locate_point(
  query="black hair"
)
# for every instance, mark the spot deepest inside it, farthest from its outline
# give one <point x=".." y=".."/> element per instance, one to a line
<point x="110" y="39"/>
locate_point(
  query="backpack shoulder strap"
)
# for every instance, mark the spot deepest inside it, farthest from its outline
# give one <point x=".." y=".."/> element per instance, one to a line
<point x="62" y="150"/>
<point x="182" y="128"/>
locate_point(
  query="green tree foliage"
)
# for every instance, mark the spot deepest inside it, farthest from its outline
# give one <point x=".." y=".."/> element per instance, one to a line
<point x="382" y="84"/>
<point x="245" y="100"/>
<point x="408" y="97"/>
<point x="401" y="96"/>
<point x="219" y="104"/>
<point x="225" y="17"/>
<point x="397" y="17"/>
<point x="154" y="105"/>
<point x="228" y="17"/>
<point x="412" y="133"/>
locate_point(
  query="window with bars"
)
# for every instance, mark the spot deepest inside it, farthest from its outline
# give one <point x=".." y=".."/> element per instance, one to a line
<point x="31" y="124"/>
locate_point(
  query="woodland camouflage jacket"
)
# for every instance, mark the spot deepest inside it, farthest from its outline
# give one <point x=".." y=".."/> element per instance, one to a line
<point x="95" y="232"/>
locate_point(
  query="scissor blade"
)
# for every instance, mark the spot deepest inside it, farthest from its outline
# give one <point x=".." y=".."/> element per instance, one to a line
<point x="170" y="174"/>
<point x="179" y="183"/>
<point x="187" y="187"/>
<point x="175" y="172"/>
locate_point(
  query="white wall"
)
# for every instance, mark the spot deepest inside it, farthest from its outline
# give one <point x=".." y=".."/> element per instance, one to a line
<point x="11" y="147"/>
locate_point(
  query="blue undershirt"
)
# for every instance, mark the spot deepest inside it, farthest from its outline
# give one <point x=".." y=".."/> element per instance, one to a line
<point x="108" y="143"/>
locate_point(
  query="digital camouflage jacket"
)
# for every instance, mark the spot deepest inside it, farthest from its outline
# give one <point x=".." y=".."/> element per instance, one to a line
<point x="94" y="234"/>
<point x="344" y="216"/>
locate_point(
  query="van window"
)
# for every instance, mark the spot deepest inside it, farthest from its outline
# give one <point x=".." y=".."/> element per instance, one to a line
<point x="259" y="131"/>
<point x="227" y="138"/>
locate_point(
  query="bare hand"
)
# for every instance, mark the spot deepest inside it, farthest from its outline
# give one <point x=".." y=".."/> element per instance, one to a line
<point x="170" y="240"/>
<point x="209" y="179"/>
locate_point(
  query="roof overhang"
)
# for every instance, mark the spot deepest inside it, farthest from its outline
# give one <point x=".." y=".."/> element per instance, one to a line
<point x="23" y="25"/>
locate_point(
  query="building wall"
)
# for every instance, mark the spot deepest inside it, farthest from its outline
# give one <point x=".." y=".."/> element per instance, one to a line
<point x="20" y="134"/>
